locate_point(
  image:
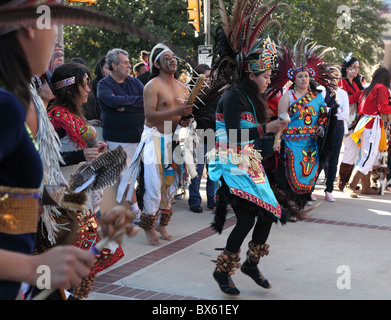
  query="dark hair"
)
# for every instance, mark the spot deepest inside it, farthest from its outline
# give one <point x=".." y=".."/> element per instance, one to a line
<point x="347" y="64"/>
<point x="138" y="66"/>
<point x="66" y="96"/>
<point x="79" y="60"/>
<point x="259" y="101"/>
<point x="143" y="54"/>
<point x="155" y="71"/>
<point x="15" y="72"/>
<point x="262" y="110"/>
<point x="383" y="76"/>
<point x="200" y="69"/>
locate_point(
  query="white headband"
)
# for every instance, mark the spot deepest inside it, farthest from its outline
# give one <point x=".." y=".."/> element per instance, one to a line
<point x="163" y="51"/>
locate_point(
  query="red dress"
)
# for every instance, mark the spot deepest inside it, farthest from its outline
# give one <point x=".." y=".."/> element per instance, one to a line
<point x="354" y="92"/>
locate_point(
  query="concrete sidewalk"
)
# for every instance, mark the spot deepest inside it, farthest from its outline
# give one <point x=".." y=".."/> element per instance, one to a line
<point x="341" y="251"/>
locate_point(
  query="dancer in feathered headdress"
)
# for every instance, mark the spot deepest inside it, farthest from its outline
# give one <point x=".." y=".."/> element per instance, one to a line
<point x="244" y="60"/>
<point x="306" y="56"/>
<point x="299" y="144"/>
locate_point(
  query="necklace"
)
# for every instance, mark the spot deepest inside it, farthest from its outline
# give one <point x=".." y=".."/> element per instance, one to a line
<point x="31" y="136"/>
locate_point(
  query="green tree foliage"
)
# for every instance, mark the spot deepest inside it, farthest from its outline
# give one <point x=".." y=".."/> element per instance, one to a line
<point x="167" y="19"/>
<point x="348" y="25"/>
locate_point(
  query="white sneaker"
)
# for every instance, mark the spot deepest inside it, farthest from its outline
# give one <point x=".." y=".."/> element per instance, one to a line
<point x="329" y="197"/>
<point x="136" y="221"/>
<point x="313" y="198"/>
<point x="308" y="203"/>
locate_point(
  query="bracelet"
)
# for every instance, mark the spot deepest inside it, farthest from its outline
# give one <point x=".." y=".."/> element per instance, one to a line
<point x="278" y="141"/>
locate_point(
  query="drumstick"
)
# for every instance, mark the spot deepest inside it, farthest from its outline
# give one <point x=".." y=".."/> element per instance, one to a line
<point x="193" y="94"/>
<point x="197" y="87"/>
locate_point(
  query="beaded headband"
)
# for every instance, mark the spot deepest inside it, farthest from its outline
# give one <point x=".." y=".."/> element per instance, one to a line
<point x="292" y="72"/>
<point x="64" y="83"/>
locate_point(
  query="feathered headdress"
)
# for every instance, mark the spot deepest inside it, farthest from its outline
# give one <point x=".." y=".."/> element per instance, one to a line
<point x="241" y="35"/>
<point x="240" y="46"/>
<point x="305" y="57"/>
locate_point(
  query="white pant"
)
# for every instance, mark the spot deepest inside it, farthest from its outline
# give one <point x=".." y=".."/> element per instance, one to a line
<point x="351" y="149"/>
<point x="369" y="152"/>
<point x="129" y="148"/>
<point x="157" y="194"/>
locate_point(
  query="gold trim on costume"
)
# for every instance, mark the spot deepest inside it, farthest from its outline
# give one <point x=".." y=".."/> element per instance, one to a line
<point x="18" y="210"/>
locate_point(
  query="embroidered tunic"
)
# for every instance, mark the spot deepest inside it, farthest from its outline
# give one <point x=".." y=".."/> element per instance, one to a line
<point x="301" y="147"/>
<point x="234" y="158"/>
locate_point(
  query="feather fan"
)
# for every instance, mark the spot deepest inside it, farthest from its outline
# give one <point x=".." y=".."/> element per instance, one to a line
<point x="100" y="173"/>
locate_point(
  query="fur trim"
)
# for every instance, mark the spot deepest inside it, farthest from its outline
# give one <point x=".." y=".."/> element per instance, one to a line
<point x="223" y="198"/>
<point x="75" y="201"/>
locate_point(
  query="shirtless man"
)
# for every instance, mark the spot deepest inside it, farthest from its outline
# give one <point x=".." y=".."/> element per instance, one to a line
<point x="163" y="108"/>
<point x="162" y="94"/>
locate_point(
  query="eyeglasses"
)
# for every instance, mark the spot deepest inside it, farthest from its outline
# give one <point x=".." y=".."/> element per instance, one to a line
<point x="354" y="68"/>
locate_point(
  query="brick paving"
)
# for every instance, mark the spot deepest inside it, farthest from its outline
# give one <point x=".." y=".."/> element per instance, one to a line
<point x="105" y="283"/>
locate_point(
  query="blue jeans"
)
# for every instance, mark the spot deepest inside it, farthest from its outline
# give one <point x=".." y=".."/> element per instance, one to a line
<point x="194" y="187"/>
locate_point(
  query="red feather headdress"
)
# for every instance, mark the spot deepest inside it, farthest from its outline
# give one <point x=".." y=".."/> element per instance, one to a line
<point x="308" y="57"/>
